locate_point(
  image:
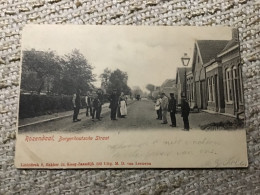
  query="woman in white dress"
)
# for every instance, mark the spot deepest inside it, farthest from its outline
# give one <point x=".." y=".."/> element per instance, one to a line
<point x="122" y="105"/>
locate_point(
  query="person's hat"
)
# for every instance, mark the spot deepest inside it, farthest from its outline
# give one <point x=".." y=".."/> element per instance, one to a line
<point x="171" y="93"/>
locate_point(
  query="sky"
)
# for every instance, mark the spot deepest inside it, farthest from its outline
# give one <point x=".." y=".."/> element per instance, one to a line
<point x="149" y="54"/>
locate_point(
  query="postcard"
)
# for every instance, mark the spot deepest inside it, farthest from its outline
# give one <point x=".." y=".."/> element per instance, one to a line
<point x="130" y="97"/>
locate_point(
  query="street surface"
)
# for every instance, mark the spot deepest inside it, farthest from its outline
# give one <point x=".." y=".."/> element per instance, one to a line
<point x="141" y="115"/>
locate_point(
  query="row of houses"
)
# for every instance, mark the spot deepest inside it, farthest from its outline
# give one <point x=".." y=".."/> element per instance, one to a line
<point x="214" y="81"/>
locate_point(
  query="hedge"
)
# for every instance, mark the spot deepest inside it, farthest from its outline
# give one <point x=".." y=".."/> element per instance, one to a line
<point x="37" y="105"/>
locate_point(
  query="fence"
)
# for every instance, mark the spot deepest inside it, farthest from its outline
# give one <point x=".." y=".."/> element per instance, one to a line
<point x="36" y="105"/>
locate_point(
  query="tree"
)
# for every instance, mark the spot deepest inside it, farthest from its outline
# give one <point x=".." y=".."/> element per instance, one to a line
<point x="105" y="78"/>
<point x="39" y="68"/>
<point x="118" y="80"/>
<point x="76" y="73"/>
<point x="150" y="87"/>
<point x="136" y="90"/>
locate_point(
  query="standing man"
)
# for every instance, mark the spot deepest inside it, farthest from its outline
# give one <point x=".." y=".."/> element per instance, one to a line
<point x="76" y="105"/>
<point x="185" y="111"/>
<point x="172" y="109"/>
<point x="164" y="106"/>
<point x="113" y="104"/>
<point x="95" y="107"/>
<point x="88" y="104"/>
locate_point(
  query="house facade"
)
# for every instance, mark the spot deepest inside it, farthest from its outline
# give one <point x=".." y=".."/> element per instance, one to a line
<point x="232" y="77"/>
<point x="214" y="86"/>
<point x="169" y="86"/>
<point x="204" y="52"/>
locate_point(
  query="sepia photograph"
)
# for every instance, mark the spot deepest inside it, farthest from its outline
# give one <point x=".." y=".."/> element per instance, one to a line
<point x="130" y="96"/>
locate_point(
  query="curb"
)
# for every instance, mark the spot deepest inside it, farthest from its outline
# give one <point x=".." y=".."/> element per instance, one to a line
<point x="60" y="117"/>
<point x="48" y="120"/>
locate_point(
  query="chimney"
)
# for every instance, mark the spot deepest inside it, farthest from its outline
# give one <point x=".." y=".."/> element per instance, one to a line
<point x="235" y="34"/>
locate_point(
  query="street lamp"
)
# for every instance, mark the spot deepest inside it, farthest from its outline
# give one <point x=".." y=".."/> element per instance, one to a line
<point x="185" y="62"/>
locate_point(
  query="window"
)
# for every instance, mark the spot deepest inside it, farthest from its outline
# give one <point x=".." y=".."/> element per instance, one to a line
<point x="209" y="90"/>
<point x="229" y="85"/>
<point x="241" y="94"/>
<point x="213" y="88"/>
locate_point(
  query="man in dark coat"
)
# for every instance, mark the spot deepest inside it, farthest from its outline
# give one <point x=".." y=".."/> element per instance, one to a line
<point x="113" y="98"/>
<point x="185" y="111"/>
<point x="172" y="109"/>
<point x="76" y="105"/>
<point x="95" y="107"/>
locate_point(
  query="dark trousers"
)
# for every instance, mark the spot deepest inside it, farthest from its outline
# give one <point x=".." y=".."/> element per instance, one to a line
<point x="94" y="112"/>
<point x="76" y="113"/>
<point x="98" y="112"/>
<point x="90" y="111"/>
<point x="118" y="112"/>
<point x="173" y="118"/>
<point x="159" y="114"/>
<point x="186" y="122"/>
<point x="113" y="112"/>
<point x="99" y="109"/>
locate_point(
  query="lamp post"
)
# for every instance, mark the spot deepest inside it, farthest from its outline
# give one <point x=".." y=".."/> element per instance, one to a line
<point x="185" y="62"/>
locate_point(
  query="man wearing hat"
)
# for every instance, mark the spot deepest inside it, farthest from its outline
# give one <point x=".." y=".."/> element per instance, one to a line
<point x="76" y="105"/>
<point x="185" y="111"/>
<point x="113" y="98"/>
<point x="172" y="109"/>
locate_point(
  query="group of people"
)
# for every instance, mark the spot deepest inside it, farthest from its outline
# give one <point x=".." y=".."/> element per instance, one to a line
<point x="164" y="105"/>
<point x="94" y="102"/>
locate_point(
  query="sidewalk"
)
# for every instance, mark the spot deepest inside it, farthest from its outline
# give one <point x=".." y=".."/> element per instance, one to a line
<point x="60" y="115"/>
<point x="225" y="114"/>
<point x="55" y="116"/>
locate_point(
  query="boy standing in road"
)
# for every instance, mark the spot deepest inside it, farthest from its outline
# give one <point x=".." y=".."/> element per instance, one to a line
<point x="158" y="108"/>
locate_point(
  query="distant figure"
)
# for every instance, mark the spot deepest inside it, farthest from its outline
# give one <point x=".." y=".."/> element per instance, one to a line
<point x="122" y="105"/>
<point x="113" y="98"/>
<point x="158" y="108"/>
<point x="100" y="98"/>
<point x="164" y="106"/>
<point x="172" y="109"/>
<point x="185" y="111"/>
<point x="95" y="107"/>
<point x="88" y="100"/>
<point x="76" y="105"/>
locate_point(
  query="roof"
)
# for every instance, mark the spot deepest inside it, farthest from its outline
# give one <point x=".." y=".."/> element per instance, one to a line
<point x="210" y="48"/>
<point x="231" y="44"/>
<point x="181" y="73"/>
<point x="169" y="83"/>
